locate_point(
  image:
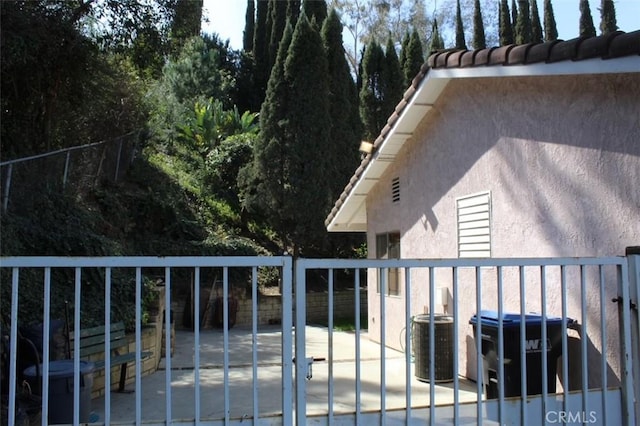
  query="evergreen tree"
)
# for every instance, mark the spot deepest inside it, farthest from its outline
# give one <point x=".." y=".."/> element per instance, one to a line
<point x="315" y="9"/>
<point x="404" y="49"/>
<point x="393" y="79"/>
<point x="608" y="22"/>
<point x="506" y="30"/>
<point x="536" y="26"/>
<point x="186" y="22"/>
<point x="372" y="90"/>
<point x="261" y="50"/>
<point x="293" y="10"/>
<point x="414" y="58"/>
<point x="514" y="19"/>
<point x="436" y="39"/>
<point x="587" y="29"/>
<point x="523" y="26"/>
<point x="345" y="126"/>
<point x="479" y="40"/>
<point x="460" y="41"/>
<point x="550" y="29"/>
<point x="307" y="128"/>
<point x="249" y="26"/>
<point x="278" y="21"/>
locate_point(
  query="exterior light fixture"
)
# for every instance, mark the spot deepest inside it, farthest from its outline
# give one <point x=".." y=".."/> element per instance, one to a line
<point x="366" y="147"/>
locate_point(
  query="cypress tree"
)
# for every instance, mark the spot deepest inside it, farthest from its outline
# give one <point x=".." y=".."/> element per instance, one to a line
<point x="293" y="10"/>
<point x="506" y="30"/>
<point x="536" y="26"/>
<point x="479" y="40"/>
<point x="261" y="50"/>
<point x="278" y="20"/>
<point x="371" y="100"/>
<point x="587" y="29"/>
<point x="249" y="26"/>
<point x="344" y="134"/>
<point x="307" y="127"/>
<point x="608" y="22"/>
<point x="315" y="9"/>
<point x="436" y="39"/>
<point x="550" y="29"/>
<point x="414" y="58"/>
<point x="404" y="49"/>
<point x="523" y="26"/>
<point x="393" y="79"/>
<point x="460" y="41"/>
<point x="186" y="22"/>
<point x="514" y="19"/>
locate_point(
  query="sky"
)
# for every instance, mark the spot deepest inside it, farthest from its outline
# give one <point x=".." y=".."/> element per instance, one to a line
<point x="227" y="17"/>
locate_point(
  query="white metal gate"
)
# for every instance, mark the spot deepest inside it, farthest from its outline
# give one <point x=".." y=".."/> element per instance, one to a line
<point x="319" y="375"/>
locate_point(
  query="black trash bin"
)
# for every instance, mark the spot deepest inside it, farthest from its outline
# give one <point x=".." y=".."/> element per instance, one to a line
<point x="512" y="354"/>
<point x="443" y="351"/>
<point x="61" y="389"/>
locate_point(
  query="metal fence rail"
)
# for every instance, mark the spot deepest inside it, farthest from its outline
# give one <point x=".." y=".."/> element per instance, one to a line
<point x="75" y="168"/>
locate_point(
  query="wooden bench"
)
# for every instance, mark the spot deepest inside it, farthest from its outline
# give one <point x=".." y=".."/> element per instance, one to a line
<point x="92" y="341"/>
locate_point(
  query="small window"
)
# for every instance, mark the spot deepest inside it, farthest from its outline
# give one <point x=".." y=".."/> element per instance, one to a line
<point x="474" y="225"/>
<point x="395" y="190"/>
<point x="388" y="247"/>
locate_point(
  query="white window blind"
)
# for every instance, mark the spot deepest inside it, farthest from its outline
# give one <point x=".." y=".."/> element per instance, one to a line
<point x="474" y="225"/>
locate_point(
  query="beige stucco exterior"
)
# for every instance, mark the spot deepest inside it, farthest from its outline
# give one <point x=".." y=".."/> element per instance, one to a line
<point x="560" y="156"/>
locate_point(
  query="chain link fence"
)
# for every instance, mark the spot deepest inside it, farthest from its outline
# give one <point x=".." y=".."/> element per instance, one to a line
<point x="72" y="170"/>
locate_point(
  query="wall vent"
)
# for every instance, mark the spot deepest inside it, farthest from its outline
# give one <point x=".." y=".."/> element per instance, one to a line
<point x="474" y="225"/>
<point x="395" y="190"/>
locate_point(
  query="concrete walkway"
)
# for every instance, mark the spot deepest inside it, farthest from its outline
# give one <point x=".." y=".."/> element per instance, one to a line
<point x="153" y="391"/>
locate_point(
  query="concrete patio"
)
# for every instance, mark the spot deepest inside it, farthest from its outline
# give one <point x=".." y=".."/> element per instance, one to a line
<point x="269" y="351"/>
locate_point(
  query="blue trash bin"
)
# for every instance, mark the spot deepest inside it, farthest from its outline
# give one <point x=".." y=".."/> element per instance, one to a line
<point x="61" y="389"/>
<point x="512" y="353"/>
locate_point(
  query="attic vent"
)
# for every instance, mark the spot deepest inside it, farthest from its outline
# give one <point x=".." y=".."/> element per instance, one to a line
<point x="395" y="190"/>
<point x="474" y="225"/>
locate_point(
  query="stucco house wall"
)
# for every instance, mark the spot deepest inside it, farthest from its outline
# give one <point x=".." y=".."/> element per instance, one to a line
<point x="560" y="156"/>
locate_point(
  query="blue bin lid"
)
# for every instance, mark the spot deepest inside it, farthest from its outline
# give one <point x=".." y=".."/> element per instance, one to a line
<point x="513" y="319"/>
<point x="61" y="369"/>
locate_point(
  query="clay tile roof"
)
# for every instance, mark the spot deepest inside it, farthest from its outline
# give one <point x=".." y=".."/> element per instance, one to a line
<point x="540" y="52"/>
<point x="499" y="55"/>
<point x="518" y="55"/>
<point x="596" y="46"/>
<point x="565" y="50"/>
<point x="625" y="44"/>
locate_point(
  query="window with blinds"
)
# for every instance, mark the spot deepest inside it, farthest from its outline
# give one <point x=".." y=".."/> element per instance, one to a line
<point x="388" y="247"/>
<point x="474" y="225"/>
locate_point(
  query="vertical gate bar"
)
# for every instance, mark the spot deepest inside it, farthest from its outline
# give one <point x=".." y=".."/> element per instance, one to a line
<point x="301" y="318"/>
<point x="138" y="346"/>
<point x="500" y="371"/>
<point x="76" y="344"/>
<point x="543" y="311"/>
<point x="481" y="386"/>
<point x="107" y="346"/>
<point x="603" y="337"/>
<point x="407" y="342"/>
<point x="167" y="343"/>
<point x="225" y="339"/>
<point x="565" y="345"/>
<point x="633" y="262"/>
<point x="66" y="169"/>
<point x="45" y="345"/>
<point x="583" y="340"/>
<point x="13" y="346"/>
<point x="357" y="343"/>
<point x="330" y="343"/>
<point x="115" y="179"/>
<point x="7" y="188"/>
<point x="628" y="405"/>
<point x="254" y="342"/>
<point x="523" y="349"/>
<point x="456" y="348"/>
<point x="196" y="347"/>
<point x="383" y="363"/>
<point x="432" y="347"/>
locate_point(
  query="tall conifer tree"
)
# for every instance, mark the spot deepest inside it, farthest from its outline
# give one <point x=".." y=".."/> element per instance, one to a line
<point x="345" y="127"/>
<point x="536" y="25"/>
<point x="587" y="29"/>
<point x="523" y="26"/>
<point x="414" y="58"/>
<point x="278" y="20"/>
<point x="460" y="41"/>
<point x="608" y="22"/>
<point x="506" y="30"/>
<point x="261" y="50"/>
<point x="479" y="40"/>
<point x="436" y="39"/>
<point x="404" y="49"/>
<point x="514" y="19"/>
<point x="249" y="26"/>
<point x="315" y="9"/>
<point x="393" y="79"/>
<point x="293" y="10"/>
<point x="186" y="22"/>
<point x="307" y="126"/>
<point x="372" y="90"/>
<point x="550" y="28"/>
